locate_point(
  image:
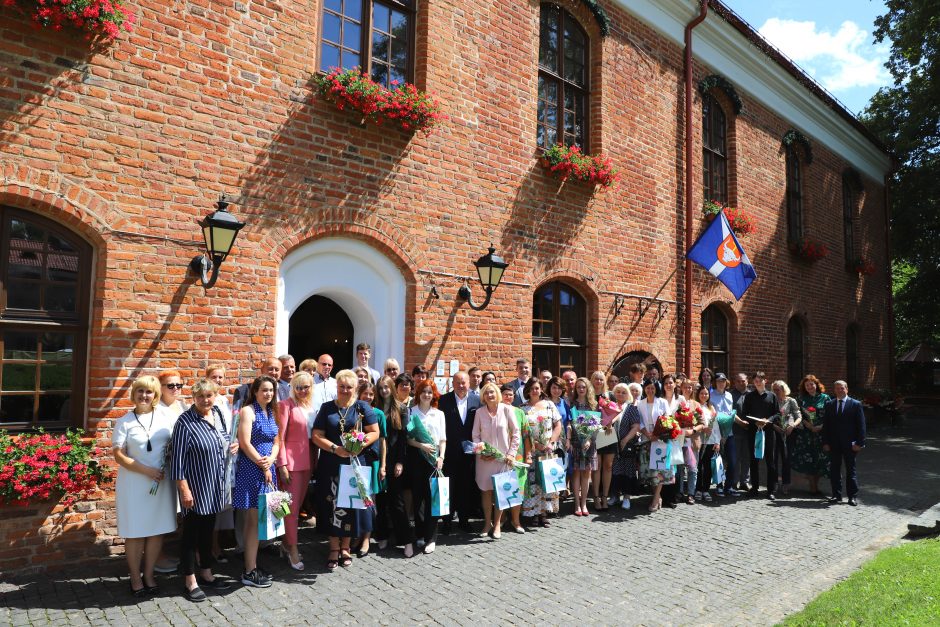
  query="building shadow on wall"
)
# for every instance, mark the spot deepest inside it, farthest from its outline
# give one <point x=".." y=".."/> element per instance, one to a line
<point x="321" y="167"/>
<point x="46" y="64"/>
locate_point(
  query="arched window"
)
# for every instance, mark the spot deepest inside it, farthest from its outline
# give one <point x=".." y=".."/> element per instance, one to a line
<point x="714" y="150"/>
<point x="375" y="35"/>
<point x="45" y="274"/>
<point x="848" y="227"/>
<point x="559" y="329"/>
<point x="851" y="356"/>
<point x="563" y="80"/>
<point x="714" y="339"/>
<point x="796" y="365"/>
<point x="794" y="196"/>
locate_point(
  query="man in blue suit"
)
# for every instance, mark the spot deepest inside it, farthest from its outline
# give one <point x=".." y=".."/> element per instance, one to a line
<point x="843" y="436"/>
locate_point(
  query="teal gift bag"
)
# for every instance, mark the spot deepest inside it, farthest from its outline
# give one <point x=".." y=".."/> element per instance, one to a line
<point x="718" y="469"/>
<point x="440" y="494"/>
<point x="759" y="445"/>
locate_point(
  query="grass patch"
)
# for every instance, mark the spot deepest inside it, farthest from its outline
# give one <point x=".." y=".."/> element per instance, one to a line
<point x="898" y="587"/>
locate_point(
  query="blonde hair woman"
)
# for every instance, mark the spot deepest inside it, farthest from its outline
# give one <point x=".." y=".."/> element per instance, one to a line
<point x="140" y="439"/>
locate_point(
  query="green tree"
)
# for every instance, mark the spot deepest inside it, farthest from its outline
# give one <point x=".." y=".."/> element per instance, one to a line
<point x="907" y="118"/>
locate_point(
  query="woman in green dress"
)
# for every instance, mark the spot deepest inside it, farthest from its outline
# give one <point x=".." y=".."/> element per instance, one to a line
<point x="807" y="455"/>
<point x="521" y="472"/>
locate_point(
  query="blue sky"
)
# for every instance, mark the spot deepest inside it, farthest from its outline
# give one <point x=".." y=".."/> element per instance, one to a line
<point x="830" y="39"/>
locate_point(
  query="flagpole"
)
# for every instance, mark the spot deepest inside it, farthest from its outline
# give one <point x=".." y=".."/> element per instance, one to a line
<point x="688" y="182"/>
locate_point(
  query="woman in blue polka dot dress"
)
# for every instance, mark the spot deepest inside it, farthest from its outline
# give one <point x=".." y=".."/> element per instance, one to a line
<point x="258" y="442"/>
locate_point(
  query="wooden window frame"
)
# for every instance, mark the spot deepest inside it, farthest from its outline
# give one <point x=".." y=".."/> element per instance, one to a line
<point x="714" y="150"/>
<point x="794" y="196"/>
<point x="848" y="222"/>
<point x="556" y="344"/>
<point x="40" y="321"/>
<point x="793" y="352"/>
<point x="366" y="28"/>
<point x="714" y="356"/>
<point x="563" y="84"/>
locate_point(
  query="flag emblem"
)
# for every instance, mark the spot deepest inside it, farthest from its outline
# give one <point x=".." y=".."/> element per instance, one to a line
<point x="728" y="253"/>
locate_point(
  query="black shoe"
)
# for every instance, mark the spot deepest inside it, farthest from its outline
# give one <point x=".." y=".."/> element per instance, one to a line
<point x="140" y="593"/>
<point x="834" y="499"/>
<point x="255" y="579"/>
<point x="752" y="492"/>
<point x="196" y="595"/>
<point x="152" y="590"/>
<point x="265" y="574"/>
<point x="217" y="583"/>
<point x="852" y="501"/>
<point x="446" y="527"/>
<point x="464" y="525"/>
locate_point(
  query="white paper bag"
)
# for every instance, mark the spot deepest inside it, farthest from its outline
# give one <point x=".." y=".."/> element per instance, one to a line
<point x="440" y="495"/>
<point x="269" y="525"/>
<point x="347" y="493"/>
<point x="506" y="489"/>
<point x="552" y="475"/>
<point x="660" y="455"/>
<point x="606" y="439"/>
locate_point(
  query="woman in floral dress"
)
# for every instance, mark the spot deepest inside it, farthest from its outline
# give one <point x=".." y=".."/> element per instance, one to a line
<point x="807" y="455"/>
<point x="583" y="454"/>
<point x="544" y="426"/>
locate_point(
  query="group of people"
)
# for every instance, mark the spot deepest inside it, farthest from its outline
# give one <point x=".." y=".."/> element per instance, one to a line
<point x="289" y="429"/>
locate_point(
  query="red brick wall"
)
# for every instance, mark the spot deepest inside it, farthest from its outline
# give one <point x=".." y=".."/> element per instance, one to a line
<point x="131" y="145"/>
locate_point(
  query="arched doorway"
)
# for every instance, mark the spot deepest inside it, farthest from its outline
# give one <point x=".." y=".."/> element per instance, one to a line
<point x="321" y="326"/>
<point x="622" y="366"/>
<point x="363" y="283"/>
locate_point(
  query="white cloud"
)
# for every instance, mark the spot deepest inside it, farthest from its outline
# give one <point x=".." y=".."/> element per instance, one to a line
<point x="839" y="61"/>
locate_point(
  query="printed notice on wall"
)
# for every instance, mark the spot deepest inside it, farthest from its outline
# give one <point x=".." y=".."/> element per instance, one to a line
<point x="441" y="365"/>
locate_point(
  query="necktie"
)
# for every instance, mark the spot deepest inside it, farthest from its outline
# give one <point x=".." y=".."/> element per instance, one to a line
<point x="840" y="407"/>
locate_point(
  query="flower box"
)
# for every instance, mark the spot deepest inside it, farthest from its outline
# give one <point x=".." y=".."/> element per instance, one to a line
<point x="862" y="266"/>
<point x="742" y="223"/>
<point x="405" y="105"/>
<point x="809" y="250"/>
<point x="568" y="161"/>
<point x="99" y="19"/>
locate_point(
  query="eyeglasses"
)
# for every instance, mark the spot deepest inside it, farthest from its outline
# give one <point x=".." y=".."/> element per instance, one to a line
<point x="173" y="386"/>
<point x="302" y="388"/>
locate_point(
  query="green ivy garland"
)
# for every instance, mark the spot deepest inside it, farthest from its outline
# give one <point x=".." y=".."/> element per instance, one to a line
<point x="793" y="136"/>
<point x="600" y="15"/>
<point x="717" y="81"/>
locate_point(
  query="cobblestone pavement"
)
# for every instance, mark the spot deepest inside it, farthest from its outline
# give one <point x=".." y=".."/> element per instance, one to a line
<point x="743" y="563"/>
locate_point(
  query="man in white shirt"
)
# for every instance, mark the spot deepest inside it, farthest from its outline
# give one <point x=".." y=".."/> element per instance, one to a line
<point x="324" y="386"/>
<point x="363" y="355"/>
<point x="523" y="374"/>
<point x="459" y="408"/>
<point x="476" y="379"/>
<point x="270" y="367"/>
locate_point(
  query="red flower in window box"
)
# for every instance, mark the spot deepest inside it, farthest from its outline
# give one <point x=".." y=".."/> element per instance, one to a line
<point x="405" y="105"/>
<point x="862" y="265"/>
<point x="568" y="161"/>
<point x="742" y="223"/>
<point x="100" y="19"/>
<point x="809" y="250"/>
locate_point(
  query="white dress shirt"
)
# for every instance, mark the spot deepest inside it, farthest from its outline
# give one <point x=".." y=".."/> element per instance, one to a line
<point x="323" y="390"/>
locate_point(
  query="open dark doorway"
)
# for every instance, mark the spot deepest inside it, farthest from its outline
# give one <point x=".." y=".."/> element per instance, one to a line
<point x="622" y="367"/>
<point x="321" y="326"/>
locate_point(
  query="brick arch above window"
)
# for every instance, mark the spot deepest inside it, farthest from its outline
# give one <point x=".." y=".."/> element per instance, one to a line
<point x="717" y="82"/>
<point x="794" y="139"/>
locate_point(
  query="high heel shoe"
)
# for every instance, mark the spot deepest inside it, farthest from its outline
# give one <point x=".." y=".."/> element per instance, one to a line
<point x="655" y="505"/>
<point x="299" y="565"/>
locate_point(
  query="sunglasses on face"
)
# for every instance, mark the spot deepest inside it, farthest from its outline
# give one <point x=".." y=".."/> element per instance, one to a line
<point x="302" y="388"/>
<point x="173" y="386"/>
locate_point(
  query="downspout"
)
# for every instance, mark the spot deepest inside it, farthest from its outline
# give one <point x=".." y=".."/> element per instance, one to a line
<point x="688" y="181"/>
<point x="891" y="356"/>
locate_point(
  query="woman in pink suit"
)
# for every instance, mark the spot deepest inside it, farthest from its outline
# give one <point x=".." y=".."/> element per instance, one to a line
<point x="495" y="424"/>
<point x="294" y="422"/>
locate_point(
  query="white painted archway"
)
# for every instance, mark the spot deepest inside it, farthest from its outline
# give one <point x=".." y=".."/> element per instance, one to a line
<point x="360" y="279"/>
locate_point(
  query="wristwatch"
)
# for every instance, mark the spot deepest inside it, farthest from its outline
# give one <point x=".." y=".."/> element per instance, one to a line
<point x="333" y="448"/>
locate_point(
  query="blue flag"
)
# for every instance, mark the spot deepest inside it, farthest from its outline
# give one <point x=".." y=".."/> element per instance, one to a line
<point x="718" y="251"/>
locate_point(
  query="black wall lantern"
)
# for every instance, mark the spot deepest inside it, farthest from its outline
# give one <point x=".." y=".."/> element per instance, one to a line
<point x="490" y="269"/>
<point x="219" y="231"/>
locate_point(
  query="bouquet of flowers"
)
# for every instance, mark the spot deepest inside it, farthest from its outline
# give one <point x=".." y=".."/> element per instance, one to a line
<point x="540" y="428"/>
<point x="279" y="504"/>
<point x="165" y="460"/>
<point x="586" y="424"/>
<point x="688" y="417"/>
<point x="482" y="448"/>
<point x="417" y="431"/>
<point x="353" y="441"/>
<point x="667" y="428"/>
<point x="609" y="410"/>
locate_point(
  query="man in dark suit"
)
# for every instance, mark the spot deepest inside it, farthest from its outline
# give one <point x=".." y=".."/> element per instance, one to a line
<point x="523" y="373"/>
<point x="270" y="367"/>
<point x="843" y="436"/>
<point x="761" y="403"/>
<point x="459" y="407"/>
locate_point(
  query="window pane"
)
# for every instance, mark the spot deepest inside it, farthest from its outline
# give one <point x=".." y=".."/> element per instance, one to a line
<point x="60" y="298"/>
<point x="352" y="33"/>
<point x="334" y="5"/>
<point x="397" y="74"/>
<point x="353" y="10"/>
<point x="379" y="47"/>
<point x="380" y="15"/>
<point x="329" y="57"/>
<point x="19" y="377"/>
<point x="548" y="37"/>
<point x="380" y="73"/>
<point x="55" y="376"/>
<point x="399" y="52"/>
<point x="57" y="346"/>
<point x="62" y="267"/>
<point x="399" y="24"/>
<point x="20" y="230"/>
<point x="332" y="25"/>
<point x="16" y="408"/>
<point x="58" y="244"/>
<point x="22" y="295"/>
<point x="54" y="407"/>
<point x="350" y="60"/>
<point x="20" y="345"/>
<point x="25" y="264"/>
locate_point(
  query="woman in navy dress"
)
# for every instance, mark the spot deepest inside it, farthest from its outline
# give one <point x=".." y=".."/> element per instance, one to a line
<point x="335" y="418"/>
<point x="258" y="442"/>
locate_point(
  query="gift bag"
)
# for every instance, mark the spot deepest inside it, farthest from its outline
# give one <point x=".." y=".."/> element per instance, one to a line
<point x="661" y="455"/>
<point x="759" y="445"/>
<point x="269" y="525"/>
<point x="552" y="475"/>
<point x="678" y="455"/>
<point x="348" y="495"/>
<point x="718" y="470"/>
<point x="506" y="489"/>
<point x="440" y="495"/>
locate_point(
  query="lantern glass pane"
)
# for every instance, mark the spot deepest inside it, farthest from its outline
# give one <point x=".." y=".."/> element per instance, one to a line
<point x="222" y="239"/>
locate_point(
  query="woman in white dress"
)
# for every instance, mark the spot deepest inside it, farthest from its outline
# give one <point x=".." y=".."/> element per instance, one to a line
<point x="140" y="441"/>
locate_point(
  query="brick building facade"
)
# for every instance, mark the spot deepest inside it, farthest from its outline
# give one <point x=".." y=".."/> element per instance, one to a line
<point x="110" y="156"/>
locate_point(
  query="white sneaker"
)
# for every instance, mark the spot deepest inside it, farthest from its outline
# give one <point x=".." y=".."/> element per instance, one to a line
<point x="429" y="548"/>
<point x="625" y="504"/>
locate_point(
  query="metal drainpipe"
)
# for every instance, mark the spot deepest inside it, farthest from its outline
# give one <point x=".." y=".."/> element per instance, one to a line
<point x="688" y="181"/>
<point x="887" y="200"/>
